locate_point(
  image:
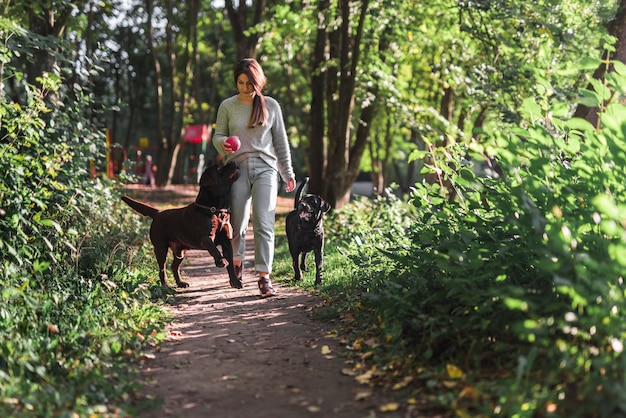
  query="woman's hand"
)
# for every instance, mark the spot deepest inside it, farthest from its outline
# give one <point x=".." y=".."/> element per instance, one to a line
<point x="291" y="184"/>
<point x="231" y="144"/>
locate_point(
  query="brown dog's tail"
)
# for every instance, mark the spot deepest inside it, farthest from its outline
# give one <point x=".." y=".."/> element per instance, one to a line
<point x="142" y="208"/>
<point x="298" y="196"/>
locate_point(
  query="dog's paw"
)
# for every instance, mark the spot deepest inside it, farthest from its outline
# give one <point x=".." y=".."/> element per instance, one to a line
<point x="182" y="284"/>
<point x="236" y="283"/>
<point x="221" y="262"/>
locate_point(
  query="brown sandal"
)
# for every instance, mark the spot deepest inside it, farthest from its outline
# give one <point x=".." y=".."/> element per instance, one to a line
<point x="265" y="287"/>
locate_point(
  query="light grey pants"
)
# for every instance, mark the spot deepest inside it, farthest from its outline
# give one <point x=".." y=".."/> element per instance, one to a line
<point x="257" y="186"/>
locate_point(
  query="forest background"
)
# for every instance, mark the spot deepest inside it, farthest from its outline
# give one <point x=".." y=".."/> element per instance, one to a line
<point x="362" y="84"/>
<point x="510" y="277"/>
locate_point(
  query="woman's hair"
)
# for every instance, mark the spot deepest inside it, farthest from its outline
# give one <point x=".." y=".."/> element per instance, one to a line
<point x="252" y="69"/>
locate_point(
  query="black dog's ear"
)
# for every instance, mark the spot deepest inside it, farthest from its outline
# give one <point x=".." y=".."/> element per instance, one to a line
<point x="324" y="206"/>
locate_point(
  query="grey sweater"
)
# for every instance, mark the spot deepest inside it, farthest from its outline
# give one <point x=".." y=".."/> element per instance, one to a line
<point x="268" y="141"/>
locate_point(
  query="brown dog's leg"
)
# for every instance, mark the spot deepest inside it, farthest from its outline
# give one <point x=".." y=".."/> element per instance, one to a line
<point x="223" y="240"/>
<point x="208" y="242"/>
<point x="179" y="256"/>
<point x="161" y="257"/>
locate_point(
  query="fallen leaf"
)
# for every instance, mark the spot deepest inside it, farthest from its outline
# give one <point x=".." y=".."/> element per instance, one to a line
<point x="468" y="393"/>
<point x="365" y="377"/>
<point x="462" y="413"/>
<point x="390" y="407"/>
<point x="362" y="394"/>
<point x="454" y="372"/>
<point x="348" y="372"/>
<point x="449" y="383"/>
<point x="230" y="377"/>
<point x="372" y="342"/>
<point x="174" y="336"/>
<point x="403" y="383"/>
<point x="325" y="350"/>
<point x="313" y="408"/>
<point x="230" y="340"/>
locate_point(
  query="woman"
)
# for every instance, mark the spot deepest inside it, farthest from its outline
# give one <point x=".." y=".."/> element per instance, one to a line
<point x="257" y="121"/>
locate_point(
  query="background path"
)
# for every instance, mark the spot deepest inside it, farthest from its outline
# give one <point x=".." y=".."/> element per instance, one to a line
<point x="231" y="354"/>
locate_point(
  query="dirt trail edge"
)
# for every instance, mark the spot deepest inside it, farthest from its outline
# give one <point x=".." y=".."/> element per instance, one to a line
<point x="231" y="354"/>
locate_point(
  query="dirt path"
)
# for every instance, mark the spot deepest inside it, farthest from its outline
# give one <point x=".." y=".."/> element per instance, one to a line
<point x="231" y="354"/>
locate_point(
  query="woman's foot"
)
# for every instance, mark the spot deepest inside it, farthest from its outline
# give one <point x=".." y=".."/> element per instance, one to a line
<point x="265" y="287"/>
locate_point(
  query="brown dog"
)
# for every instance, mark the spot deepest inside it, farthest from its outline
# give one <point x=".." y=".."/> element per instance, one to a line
<point x="202" y="225"/>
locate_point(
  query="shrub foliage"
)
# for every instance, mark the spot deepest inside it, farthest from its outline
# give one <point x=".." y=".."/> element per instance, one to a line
<point x="518" y="280"/>
<point x="72" y="319"/>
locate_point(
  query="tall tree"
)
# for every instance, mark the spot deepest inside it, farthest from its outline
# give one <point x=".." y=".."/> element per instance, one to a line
<point x="242" y="17"/>
<point x="334" y="64"/>
<point x="163" y="141"/>
<point x="49" y="22"/>
<point x="189" y="61"/>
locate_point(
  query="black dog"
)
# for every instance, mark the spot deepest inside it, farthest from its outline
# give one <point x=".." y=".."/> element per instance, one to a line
<point x="202" y="225"/>
<point x="305" y="231"/>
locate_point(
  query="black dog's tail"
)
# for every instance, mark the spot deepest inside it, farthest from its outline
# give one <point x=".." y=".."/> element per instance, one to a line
<point x="142" y="208"/>
<point x="298" y="196"/>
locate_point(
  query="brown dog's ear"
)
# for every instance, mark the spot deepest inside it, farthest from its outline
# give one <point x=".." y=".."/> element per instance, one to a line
<point x="209" y="177"/>
<point x="232" y="168"/>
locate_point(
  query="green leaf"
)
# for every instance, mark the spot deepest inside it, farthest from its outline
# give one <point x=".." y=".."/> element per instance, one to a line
<point x="50" y="222"/>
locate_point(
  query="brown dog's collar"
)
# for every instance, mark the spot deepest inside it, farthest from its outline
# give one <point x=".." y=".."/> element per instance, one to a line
<point x="211" y="209"/>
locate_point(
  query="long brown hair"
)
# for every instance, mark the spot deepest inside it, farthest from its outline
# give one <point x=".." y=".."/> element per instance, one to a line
<point x="252" y="69"/>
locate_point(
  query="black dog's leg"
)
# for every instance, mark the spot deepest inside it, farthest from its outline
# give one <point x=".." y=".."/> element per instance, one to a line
<point x="303" y="261"/>
<point x="295" y="258"/>
<point x="319" y="261"/>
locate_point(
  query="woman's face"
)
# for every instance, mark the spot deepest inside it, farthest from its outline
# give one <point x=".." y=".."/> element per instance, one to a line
<point x="244" y="87"/>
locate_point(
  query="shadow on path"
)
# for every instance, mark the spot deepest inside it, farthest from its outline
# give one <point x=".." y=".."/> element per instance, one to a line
<point x="231" y="354"/>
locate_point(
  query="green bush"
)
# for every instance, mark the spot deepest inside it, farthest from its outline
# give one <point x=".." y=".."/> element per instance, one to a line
<point x="518" y="281"/>
<point x="73" y="319"/>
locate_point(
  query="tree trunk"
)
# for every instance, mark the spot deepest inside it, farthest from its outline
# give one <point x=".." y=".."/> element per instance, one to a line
<point x="241" y="22"/>
<point x="161" y="139"/>
<point x="178" y="127"/>
<point x="317" y="125"/>
<point x="45" y="21"/>
<point x="343" y="160"/>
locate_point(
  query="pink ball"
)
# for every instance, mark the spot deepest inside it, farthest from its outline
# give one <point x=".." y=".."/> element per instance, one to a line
<point x="234" y="142"/>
